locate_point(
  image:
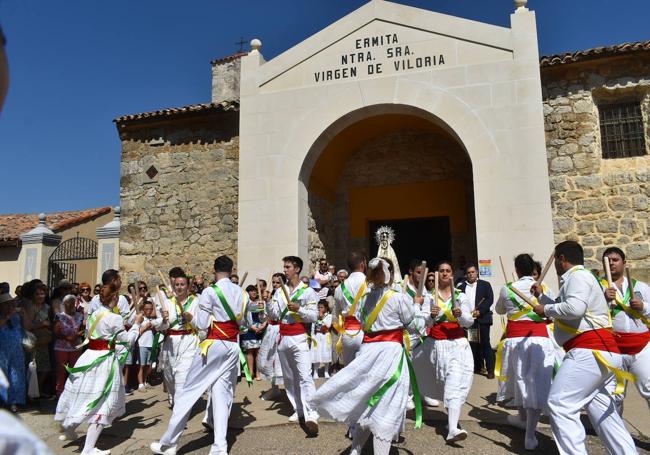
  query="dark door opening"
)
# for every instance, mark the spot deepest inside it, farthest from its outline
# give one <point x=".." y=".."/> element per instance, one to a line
<point x="427" y="239"/>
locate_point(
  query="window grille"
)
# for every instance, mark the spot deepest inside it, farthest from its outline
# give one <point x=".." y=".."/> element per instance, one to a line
<point x="621" y="130"/>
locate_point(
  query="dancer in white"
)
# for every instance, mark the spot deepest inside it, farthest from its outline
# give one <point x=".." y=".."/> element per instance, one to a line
<point x="347" y="297"/>
<point x="371" y="392"/>
<point x="629" y="305"/>
<point x="526" y="357"/>
<point x="321" y="347"/>
<point x="181" y="341"/>
<point x="94" y="391"/>
<point x="112" y="278"/>
<point x="293" y="306"/>
<point x="221" y="310"/>
<point x="268" y="360"/>
<point x="450" y="362"/>
<point x="583" y="327"/>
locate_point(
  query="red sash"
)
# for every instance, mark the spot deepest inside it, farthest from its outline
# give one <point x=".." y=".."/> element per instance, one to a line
<point x="599" y="339"/>
<point x="521" y="329"/>
<point x="395" y="335"/>
<point x="98" y="345"/>
<point x="179" y="332"/>
<point x="446" y="331"/>
<point x="351" y="323"/>
<point x="292" y="329"/>
<point x="271" y="322"/>
<point x="631" y="343"/>
<point x="224" y="330"/>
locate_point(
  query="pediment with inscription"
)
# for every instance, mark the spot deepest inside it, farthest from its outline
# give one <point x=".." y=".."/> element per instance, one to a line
<point x="383" y="48"/>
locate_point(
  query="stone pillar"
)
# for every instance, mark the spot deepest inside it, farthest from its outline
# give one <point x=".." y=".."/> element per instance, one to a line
<point x="225" y="78"/>
<point x="108" y="245"/>
<point x="37" y="247"/>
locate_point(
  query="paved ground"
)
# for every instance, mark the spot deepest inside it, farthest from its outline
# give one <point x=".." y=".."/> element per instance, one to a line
<point x="257" y="425"/>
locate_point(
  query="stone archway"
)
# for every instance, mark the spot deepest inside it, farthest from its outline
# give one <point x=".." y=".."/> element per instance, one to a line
<point x="393" y="163"/>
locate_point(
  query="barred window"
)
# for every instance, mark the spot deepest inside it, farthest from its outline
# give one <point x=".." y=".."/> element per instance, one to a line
<point x="621" y="130"/>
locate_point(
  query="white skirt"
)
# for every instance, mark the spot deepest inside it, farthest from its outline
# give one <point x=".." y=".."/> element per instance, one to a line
<point x="345" y="396"/>
<point x="268" y="361"/>
<point x="321" y="352"/>
<point x="527" y="363"/>
<point x="81" y="389"/>
<point x="176" y="358"/>
<point x="445" y="370"/>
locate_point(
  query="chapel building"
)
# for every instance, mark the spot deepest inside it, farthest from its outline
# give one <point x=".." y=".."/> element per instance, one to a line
<point x="453" y="132"/>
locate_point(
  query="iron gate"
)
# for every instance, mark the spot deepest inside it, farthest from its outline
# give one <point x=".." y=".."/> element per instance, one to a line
<point x="59" y="266"/>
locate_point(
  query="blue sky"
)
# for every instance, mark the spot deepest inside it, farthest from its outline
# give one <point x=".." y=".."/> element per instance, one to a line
<point x="75" y="65"/>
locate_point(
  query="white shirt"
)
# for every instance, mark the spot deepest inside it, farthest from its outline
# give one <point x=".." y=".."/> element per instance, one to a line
<point x="623" y="322"/>
<point x="580" y="304"/>
<point x="506" y="306"/>
<point x="122" y="305"/>
<point x="470" y="292"/>
<point x="146" y="338"/>
<point x="322" y="292"/>
<point x="174" y="320"/>
<point x="308" y="301"/>
<point x="211" y="308"/>
<point x="417" y="326"/>
<point x="396" y="313"/>
<point x="352" y="284"/>
<point x="465" y="319"/>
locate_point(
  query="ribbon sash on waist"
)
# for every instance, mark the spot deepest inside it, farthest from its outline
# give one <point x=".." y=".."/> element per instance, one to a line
<point x="374" y="399"/>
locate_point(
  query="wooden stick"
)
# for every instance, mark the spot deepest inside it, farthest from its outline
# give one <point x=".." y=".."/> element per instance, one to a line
<point x="436" y="285"/>
<point x="454" y="303"/>
<point x="286" y="294"/>
<point x="164" y="282"/>
<point x="423" y="278"/>
<point x="243" y="280"/>
<point x="545" y="269"/>
<point x="608" y="272"/>
<point x="629" y="280"/>
<point x="514" y="276"/>
<point x="503" y="269"/>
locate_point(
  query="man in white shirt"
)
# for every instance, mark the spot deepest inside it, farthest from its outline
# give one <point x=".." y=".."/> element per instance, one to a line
<point x="222" y="311"/>
<point x="323" y="276"/>
<point x="583" y="327"/>
<point x="293" y="349"/>
<point x="629" y="305"/>
<point x="347" y="297"/>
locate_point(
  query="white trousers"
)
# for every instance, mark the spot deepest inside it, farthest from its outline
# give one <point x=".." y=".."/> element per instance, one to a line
<point x="177" y="355"/>
<point x="350" y="346"/>
<point x="639" y="366"/>
<point x="582" y="383"/>
<point x="216" y="371"/>
<point x="295" y="360"/>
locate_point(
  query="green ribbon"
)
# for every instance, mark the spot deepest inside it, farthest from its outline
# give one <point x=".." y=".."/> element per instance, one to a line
<point x="346" y="293"/>
<point x="374" y="399"/>
<point x="155" y="346"/>
<point x="293" y="299"/>
<point x="179" y="316"/>
<point x="247" y="371"/>
<point x="511" y="295"/>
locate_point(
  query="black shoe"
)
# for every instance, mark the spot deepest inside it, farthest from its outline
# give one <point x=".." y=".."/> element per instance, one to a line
<point x="128" y="391"/>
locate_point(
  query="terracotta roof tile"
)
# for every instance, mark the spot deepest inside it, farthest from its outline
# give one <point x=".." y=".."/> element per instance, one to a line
<point x="228" y="58"/>
<point x="11" y="226"/>
<point x="594" y="53"/>
<point x="176" y="111"/>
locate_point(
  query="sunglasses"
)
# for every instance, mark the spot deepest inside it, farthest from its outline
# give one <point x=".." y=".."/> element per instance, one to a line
<point x="143" y="288"/>
<point x="85" y="289"/>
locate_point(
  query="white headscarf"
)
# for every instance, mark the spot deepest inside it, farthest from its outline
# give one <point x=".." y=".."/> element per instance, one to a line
<point x="379" y="262"/>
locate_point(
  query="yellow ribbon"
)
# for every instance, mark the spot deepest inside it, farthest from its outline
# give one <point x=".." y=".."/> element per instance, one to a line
<point x="92" y="329"/>
<point x="498" y="363"/>
<point x="375" y="312"/>
<point x="620" y="375"/>
<point x="407" y="341"/>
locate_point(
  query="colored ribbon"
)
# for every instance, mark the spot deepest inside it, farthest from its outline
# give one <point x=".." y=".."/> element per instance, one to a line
<point x="620" y="375"/>
<point x="498" y="362"/>
<point x="205" y="346"/>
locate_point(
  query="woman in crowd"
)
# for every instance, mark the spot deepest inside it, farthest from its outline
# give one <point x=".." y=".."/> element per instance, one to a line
<point x="252" y="339"/>
<point x="37" y="314"/>
<point x="67" y="331"/>
<point x="371" y="392"/>
<point x="268" y="360"/>
<point x="94" y="392"/>
<point x="12" y="361"/>
<point x="83" y="302"/>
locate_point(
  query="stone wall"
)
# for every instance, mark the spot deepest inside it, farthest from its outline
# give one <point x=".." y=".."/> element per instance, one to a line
<point x="598" y="202"/>
<point x="185" y="215"/>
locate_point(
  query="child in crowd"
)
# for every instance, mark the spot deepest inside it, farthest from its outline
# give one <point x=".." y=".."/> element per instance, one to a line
<point x="321" y="349"/>
<point x="145" y="344"/>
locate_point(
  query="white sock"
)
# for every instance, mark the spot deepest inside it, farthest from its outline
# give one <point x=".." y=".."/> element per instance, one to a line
<point x="380" y="446"/>
<point x="453" y="414"/>
<point x="359" y="438"/>
<point x="94" y="430"/>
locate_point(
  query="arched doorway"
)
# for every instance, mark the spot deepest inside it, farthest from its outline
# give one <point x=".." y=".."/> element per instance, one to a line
<point x="390" y="165"/>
